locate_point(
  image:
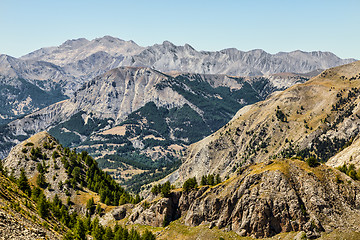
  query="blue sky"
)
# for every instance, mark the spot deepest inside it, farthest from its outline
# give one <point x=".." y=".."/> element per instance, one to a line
<point x="274" y="26"/>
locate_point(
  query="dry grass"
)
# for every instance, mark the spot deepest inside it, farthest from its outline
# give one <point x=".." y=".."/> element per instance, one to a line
<point x="126" y="172"/>
<point x="83" y="196"/>
<point x="119" y="130"/>
<point x="153" y="137"/>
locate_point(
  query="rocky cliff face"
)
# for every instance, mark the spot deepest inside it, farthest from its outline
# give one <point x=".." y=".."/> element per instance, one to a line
<point x="266" y="199"/>
<point x="319" y="117"/>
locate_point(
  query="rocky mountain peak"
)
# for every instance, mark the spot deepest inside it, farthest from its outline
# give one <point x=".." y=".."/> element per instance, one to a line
<point x="24" y="155"/>
<point x="189" y="47"/>
<point x="168" y="44"/>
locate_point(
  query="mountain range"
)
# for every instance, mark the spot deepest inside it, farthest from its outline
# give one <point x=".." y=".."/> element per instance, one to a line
<point x="317" y="118"/>
<point x="220" y="144"/>
<point x="277" y="157"/>
<point x="80" y="92"/>
<point x="139" y="110"/>
<point x="267" y="173"/>
<point x="57" y="72"/>
<point x="80" y="57"/>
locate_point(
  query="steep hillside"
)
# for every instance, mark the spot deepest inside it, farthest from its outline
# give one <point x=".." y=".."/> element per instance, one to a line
<point x="45" y="75"/>
<point x="317" y="118"/>
<point x="19" y="215"/>
<point x="63" y="172"/>
<point x="19" y="97"/>
<point x="63" y="196"/>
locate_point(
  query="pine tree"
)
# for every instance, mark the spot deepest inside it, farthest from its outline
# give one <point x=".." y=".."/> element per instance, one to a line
<point x="189" y="184"/>
<point x="76" y="173"/>
<point x="210" y="179"/>
<point x="165" y="189"/>
<point x="97" y="233"/>
<point x="122" y="200"/>
<point x="89" y="205"/>
<point x="148" y="235"/>
<point x="42" y="206"/>
<point x="23" y="183"/>
<point x="108" y="234"/>
<point x="69" y="235"/>
<point x="98" y="208"/>
<point x="40" y="180"/>
<point x="125" y="234"/>
<point x="203" y="181"/>
<point x="79" y="230"/>
<point x="134" y="235"/>
<point x="217" y="179"/>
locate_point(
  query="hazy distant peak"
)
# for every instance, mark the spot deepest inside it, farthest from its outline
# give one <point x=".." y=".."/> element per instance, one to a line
<point x="109" y="38"/>
<point x="80" y="49"/>
<point x="189" y="47"/>
<point x="83" y="59"/>
<point x="5" y="57"/>
<point x="74" y="42"/>
<point x="168" y="44"/>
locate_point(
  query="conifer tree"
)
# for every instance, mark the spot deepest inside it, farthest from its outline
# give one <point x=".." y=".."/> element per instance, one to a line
<point x="203" y="181"/>
<point x="42" y="206"/>
<point x="40" y="180"/>
<point x="165" y="190"/>
<point x="79" y="230"/>
<point x="217" y="179"/>
<point x="108" y="234"/>
<point x="148" y="235"/>
<point x="23" y="183"/>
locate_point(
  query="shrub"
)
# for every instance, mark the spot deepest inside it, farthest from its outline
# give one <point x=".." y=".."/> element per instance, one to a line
<point x="55" y="154"/>
<point x="312" y="162"/>
<point x="281" y="116"/>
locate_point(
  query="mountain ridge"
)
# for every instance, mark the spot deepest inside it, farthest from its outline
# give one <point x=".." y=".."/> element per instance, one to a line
<point x="146" y="56"/>
<point x="116" y="94"/>
<point x="318" y="117"/>
<point x="61" y="70"/>
<point x="135" y="115"/>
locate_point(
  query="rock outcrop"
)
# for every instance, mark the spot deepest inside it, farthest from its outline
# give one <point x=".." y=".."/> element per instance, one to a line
<point x="266" y="199"/>
<point x="159" y="214"/>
